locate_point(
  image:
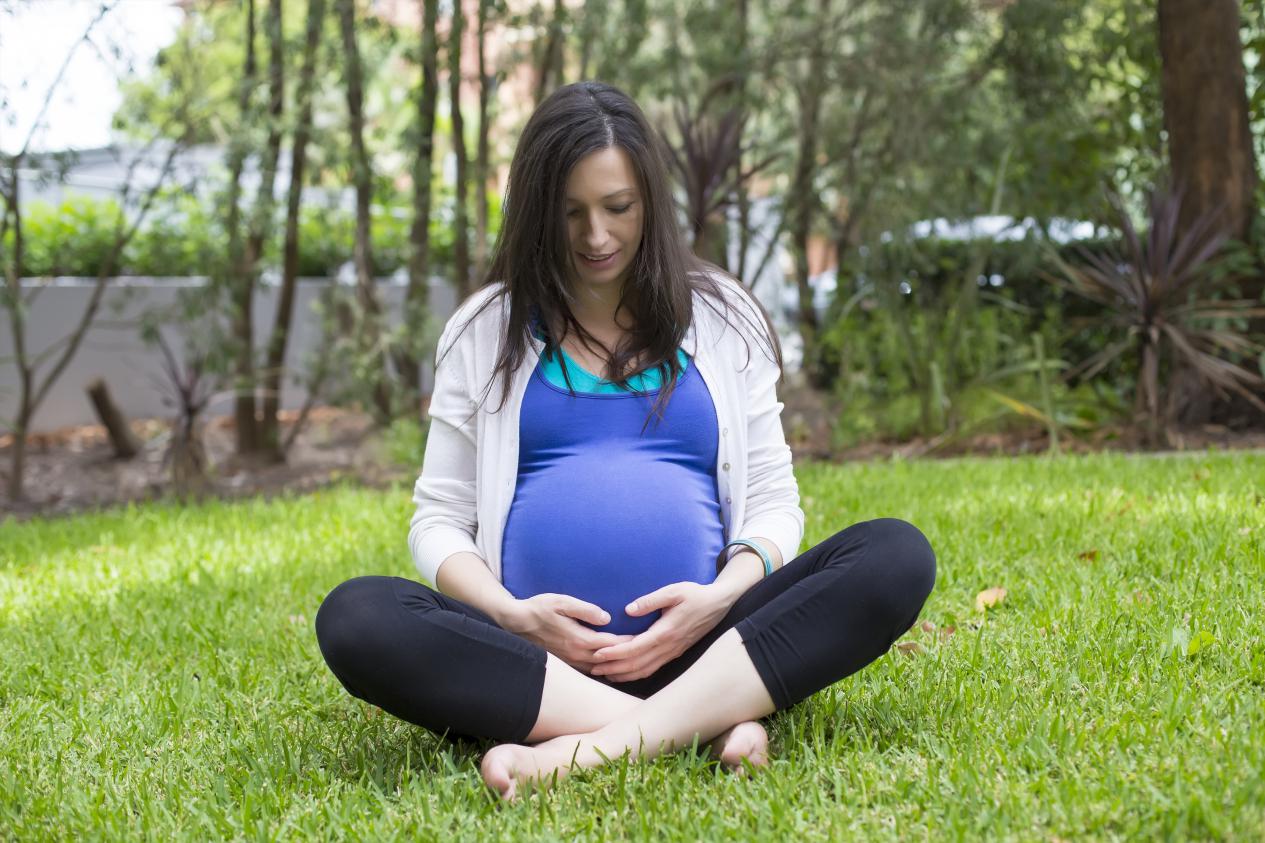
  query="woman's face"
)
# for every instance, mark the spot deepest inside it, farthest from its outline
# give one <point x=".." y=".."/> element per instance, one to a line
<point x="604" y="217"/>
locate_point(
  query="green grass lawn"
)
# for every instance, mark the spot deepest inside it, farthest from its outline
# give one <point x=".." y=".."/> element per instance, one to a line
<point x="159" y="676"/>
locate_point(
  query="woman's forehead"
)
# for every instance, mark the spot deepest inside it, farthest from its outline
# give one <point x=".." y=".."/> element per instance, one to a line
<point x="601" y="176"/>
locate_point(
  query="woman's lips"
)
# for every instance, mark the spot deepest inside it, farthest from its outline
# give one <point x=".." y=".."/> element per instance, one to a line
<point x="605" y="262"/>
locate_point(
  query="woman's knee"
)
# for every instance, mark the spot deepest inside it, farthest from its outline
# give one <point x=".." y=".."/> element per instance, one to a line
<point x="349" y="617"/>
<point x="907" y="562"/>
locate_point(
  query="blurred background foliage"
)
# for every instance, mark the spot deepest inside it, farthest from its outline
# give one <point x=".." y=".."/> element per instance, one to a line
<point x="877" y="127"/>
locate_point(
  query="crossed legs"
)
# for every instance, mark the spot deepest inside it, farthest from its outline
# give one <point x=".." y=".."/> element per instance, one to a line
<point x="690" y="706"/>
<point x="439" y="663"/>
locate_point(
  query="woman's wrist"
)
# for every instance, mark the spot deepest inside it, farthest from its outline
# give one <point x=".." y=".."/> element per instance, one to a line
<point x="743" y="570"/>
<point x="508" y="613"/>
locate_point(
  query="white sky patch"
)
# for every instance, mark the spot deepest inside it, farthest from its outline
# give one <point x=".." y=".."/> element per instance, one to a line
<point x="35" y="37"/>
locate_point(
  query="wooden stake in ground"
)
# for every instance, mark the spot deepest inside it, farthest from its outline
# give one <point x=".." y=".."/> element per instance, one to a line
<point x="122" y="439"/>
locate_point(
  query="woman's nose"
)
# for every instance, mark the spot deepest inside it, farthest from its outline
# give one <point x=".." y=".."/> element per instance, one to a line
<point x="595" y="235"/>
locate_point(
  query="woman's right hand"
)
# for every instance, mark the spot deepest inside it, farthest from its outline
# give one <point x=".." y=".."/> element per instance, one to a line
<point x="553" y="622"/>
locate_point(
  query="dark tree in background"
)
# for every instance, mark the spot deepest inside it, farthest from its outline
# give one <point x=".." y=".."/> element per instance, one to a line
<point x="1205" y="110"/>
<point x="259" y="231"/>
<point x="1209" y="145"/>
<point x="239" y="285"/>
<point x="804" y="201"/>
<point x="460" y="223"/>
<point x="369" y="333"/>
<point x="416" y="301"/>
<point x="269" y="433"/>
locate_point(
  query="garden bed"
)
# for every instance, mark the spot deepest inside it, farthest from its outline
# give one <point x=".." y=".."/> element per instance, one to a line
<point x="72" y="469"/>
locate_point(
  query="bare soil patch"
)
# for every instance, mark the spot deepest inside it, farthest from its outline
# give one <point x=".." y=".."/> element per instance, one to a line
<point x="74" y="469"/>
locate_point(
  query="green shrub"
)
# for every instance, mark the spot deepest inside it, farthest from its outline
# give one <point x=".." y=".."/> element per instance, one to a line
<point x="73" y="238"/>
<point x="184" y="236"/>
<point x="936" y="336"/>
<point x="180" y="237"/>
<point x="404" y="441"/>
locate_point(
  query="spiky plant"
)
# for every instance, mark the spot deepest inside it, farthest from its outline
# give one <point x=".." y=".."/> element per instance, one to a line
<point x="1163" y="302"/>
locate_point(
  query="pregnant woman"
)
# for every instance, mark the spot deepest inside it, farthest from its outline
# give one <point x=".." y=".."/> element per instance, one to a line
<point x="606" y="508"/>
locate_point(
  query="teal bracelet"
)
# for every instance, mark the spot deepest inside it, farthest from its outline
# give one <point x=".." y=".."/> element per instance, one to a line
<point x="764" y="556"/>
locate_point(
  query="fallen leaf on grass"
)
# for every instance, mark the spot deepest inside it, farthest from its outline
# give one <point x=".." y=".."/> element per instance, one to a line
<point x="989" y="597"/>
<point x="1202" y="640"/>
<point x="909" y="648"/>
<point x="1090" y="555"/>
<point x="1245" y="531"/>
<point x="945" y="632"/>
<point x="1141" y="596"/>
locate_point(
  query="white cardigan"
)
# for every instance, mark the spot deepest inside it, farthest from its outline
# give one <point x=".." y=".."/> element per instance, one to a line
<point x="470" y="468"/>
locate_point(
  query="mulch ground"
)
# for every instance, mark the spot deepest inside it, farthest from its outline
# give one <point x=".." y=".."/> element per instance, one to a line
<point x="74" y="469"/>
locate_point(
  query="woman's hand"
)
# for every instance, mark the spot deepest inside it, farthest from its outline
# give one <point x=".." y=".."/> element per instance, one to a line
<point x="550" y="621"/>
<point x="690" y="611"/>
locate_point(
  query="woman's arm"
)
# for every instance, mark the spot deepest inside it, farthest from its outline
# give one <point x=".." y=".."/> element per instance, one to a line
<point x="468" y="578"/>
<point x="772" y="494"/>
<point x="446" y="518"/>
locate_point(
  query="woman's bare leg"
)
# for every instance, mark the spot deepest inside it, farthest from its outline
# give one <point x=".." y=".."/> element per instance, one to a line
<point x="719" y="691"/>
<point x="574" y="703"/>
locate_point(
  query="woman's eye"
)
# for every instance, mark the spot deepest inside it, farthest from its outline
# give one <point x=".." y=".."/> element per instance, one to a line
<point x="623" y="210"/>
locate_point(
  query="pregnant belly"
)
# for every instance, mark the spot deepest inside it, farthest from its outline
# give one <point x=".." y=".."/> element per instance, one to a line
<point x="610" y="530"/>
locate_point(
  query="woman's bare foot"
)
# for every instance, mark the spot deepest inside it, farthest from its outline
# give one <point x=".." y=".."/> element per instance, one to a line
<point x="504" y="766"/>
<point x="511" y="768"/>
<point x="746" y="740"/>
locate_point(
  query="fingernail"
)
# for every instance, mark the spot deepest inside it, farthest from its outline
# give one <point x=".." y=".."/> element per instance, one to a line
<point x="632" y="607"/>
<point x="606" y="618"/>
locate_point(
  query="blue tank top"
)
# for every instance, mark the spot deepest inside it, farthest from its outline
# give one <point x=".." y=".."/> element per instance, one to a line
<point x="604" y="512"/>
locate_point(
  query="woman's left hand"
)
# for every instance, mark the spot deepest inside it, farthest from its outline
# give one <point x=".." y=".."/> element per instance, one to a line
<point x="690" y="611"/>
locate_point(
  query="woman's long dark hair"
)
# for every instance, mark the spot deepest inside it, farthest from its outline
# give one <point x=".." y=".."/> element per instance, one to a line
<point x="532" y="255"/>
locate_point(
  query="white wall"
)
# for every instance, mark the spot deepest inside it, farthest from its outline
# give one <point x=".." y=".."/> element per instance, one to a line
<point x="114" y="351"/>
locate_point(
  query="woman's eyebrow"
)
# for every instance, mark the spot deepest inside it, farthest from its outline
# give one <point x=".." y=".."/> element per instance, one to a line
<point x="607" y="196"/>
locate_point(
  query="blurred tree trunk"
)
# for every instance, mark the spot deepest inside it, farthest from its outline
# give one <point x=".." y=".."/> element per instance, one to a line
<point x="370" y="327"/>
<point x="1205" y="110"/>
<point x="594" y="12"/>
<point x="742" y="197"/>
<point x="461" y="239"/>
<point x="803" y="206"/>
<point x="549" y="64"/>
<point x="249" y="429"/>
<point x="269" y="435"/>
<point x="240" y="285"/>
<point x="1209" y="146"/>
<point x="416" y="300"/>
<point x="481" y="152"/>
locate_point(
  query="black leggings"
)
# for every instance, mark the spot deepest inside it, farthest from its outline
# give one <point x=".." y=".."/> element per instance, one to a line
<point x="445" y="665"/>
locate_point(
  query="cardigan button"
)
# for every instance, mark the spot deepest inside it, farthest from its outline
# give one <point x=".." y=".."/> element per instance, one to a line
<point x="725" y="432"/>
<point x="729" y="500"/>
<point x="725" y="466"/>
